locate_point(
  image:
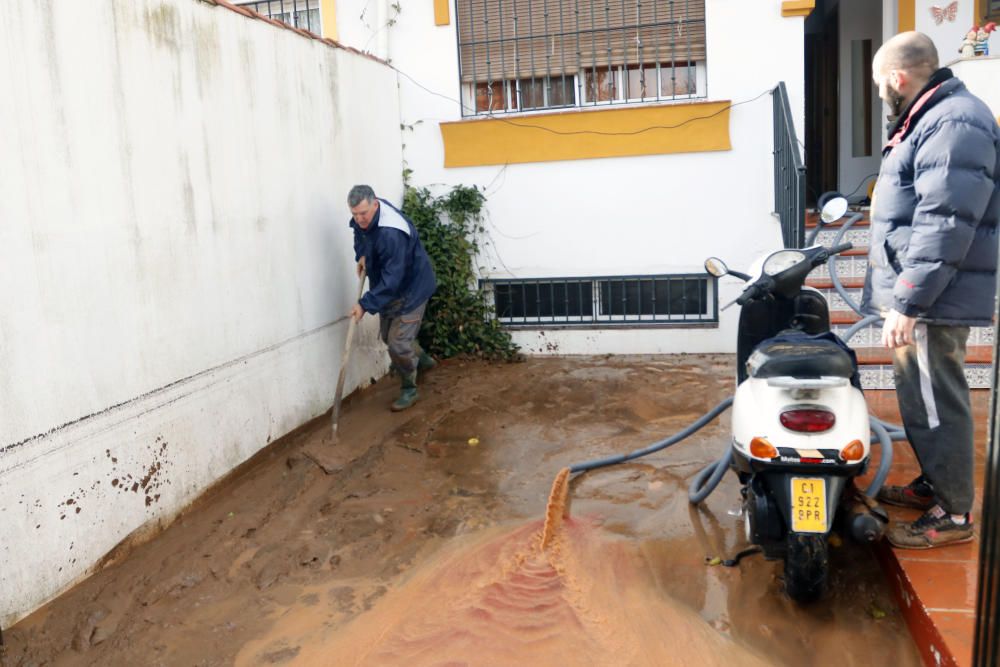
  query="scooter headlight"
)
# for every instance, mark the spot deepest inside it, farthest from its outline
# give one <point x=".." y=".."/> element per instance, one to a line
<point x="782" y="261"/>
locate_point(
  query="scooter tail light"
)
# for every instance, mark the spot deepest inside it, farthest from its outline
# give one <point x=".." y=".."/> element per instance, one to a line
<point x="763" y="449"/>
<point x="808" y="420"/>
<point x="853" y="452"/>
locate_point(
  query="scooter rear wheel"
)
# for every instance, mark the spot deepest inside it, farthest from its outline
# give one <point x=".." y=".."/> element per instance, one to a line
<point x="807" y="563"/>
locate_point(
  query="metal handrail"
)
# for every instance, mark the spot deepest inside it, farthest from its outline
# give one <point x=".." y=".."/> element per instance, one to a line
<point x="789" y="172"/>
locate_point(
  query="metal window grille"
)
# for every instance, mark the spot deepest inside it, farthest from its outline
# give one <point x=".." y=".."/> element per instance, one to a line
<point x="302" y="14"/>
<point x="520" y="55"/>
<point x="678" y="299"/>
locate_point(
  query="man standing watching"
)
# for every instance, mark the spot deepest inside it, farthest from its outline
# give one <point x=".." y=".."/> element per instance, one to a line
<point x="933" y="260"/>
<point x="400" y="281"/>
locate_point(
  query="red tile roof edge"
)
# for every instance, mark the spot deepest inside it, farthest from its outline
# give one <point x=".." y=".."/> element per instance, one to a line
<point x="249" y="13"/>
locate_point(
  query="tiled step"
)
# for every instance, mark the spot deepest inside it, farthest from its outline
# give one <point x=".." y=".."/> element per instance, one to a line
<point x="852" y="267"/>
<point x="859" y="236"/>
<point x="812" y="218"/>
<point x="837" y="303"/>
<point x="880" y="376"/>
<point x="847" y="317"/>
<point x="871" y="336"/>
<point x="823" y="283"/>
<point x="875" y="362"/>
<point x="881" y="356"/>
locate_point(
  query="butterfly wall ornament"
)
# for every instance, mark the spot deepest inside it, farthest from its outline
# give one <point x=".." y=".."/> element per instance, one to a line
<point x="942" y="14"/>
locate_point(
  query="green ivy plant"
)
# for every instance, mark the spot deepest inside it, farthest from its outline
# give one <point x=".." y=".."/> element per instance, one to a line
<point x="459" y="317"/>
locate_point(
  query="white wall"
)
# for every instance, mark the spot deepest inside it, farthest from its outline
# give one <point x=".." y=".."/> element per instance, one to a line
<point x="981" y="76"/>
<point x="947" y="35"/>
<point x="175" y="262"/>
<point x="859" y="19"/>
<point x="651" y="214"/>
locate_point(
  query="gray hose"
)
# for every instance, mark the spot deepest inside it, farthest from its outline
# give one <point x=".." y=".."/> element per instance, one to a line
<point x="832" y="266"/>
<point x="705" y="481"/>
<point x="886" y="460"/>
<point x="713" y="472"/>
<point x="656" y="446"/>
<point x="859" y="325"/>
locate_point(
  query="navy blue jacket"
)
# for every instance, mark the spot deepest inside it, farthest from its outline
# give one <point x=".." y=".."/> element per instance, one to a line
<point x="935" y="210"/>
<point x="400" y="276"/>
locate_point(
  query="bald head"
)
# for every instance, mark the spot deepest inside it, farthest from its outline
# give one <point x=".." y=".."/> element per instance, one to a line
<point x="902" y="67"/>
<point x="913" y="52"/>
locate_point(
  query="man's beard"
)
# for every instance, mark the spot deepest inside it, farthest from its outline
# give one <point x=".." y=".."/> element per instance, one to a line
<point x="895" y="102"/>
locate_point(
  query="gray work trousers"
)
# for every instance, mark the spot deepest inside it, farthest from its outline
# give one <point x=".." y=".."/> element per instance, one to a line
<point x="934" y="401"/>
<point x="399" y="333"/>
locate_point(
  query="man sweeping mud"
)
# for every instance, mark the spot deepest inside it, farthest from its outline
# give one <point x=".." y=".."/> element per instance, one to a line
<point x="400" y="281"/>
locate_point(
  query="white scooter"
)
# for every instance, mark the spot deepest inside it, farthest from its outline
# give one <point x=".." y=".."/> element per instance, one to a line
<point x="800" y="422"/>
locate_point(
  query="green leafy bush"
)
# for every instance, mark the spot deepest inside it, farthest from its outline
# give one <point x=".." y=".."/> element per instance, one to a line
<point x="459" y="318"/>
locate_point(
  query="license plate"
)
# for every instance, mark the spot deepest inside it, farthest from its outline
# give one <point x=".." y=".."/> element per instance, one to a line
<point x="808" y="505"/>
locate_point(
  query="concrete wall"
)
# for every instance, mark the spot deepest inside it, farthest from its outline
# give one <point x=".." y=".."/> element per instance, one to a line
<point x="175" y="262"/>
<point x="653" y="214"/>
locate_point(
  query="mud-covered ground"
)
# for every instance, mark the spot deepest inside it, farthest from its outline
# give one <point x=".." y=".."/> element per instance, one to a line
<point x="423" y="548"/>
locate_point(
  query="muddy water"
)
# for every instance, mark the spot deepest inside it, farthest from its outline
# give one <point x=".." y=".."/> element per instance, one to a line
<point x="501" y="600"/>
<point x="425" y="540"/>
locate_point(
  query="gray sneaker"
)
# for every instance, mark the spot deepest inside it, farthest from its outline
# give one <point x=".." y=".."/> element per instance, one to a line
<point x="935" y="528"/>
<point x="918" y="494"/>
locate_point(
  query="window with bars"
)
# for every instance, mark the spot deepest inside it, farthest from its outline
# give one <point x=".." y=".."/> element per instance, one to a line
<point x="523" y="55"/>
<point x="606" y="301"/>
<point x="296" y="13"/>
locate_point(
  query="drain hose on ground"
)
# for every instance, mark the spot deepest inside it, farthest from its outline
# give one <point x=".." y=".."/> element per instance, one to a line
<point x="705" y="481"/>
<point x="658" y="445"/>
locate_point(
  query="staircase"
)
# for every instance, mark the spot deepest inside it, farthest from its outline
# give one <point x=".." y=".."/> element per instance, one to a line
<point x="875" y="361"/>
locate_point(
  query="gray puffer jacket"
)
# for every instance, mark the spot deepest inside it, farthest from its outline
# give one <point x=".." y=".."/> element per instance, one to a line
<point x="935" y="210"/>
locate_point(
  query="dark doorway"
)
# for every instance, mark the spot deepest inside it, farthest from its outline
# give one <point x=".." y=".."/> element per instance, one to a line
<point x="821" y="110"/>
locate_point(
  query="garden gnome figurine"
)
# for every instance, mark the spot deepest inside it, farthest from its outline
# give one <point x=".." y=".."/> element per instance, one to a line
<point x="968" y="48"/>
<point x="983" y="39"/>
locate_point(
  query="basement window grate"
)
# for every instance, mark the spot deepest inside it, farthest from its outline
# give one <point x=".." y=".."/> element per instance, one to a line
<point x="673" y="299"/>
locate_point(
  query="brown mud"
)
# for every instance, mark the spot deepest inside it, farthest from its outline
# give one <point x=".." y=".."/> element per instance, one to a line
<point x="425" y="548"/>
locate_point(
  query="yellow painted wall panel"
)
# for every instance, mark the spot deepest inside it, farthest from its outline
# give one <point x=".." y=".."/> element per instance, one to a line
<point x="579" y="135"/>
<point x="797" y="7"/>
<point x="907" y="15"/>
<point x="442" y="12"/>
<point x="328" y="15"/>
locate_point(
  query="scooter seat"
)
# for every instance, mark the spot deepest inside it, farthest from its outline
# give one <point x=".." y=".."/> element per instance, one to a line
<point x="799" y="356"/>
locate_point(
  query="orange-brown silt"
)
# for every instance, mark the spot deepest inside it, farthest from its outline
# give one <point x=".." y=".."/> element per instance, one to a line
<point x="500" y="599"/>
<point x="556" y="509"/>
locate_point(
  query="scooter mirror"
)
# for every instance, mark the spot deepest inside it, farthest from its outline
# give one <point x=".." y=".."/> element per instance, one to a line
<point x="716" y="267"/>
<point x="833" y="209"/>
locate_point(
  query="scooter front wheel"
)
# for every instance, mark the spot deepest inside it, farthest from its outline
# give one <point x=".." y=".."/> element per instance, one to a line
<point x="807" y="563"/>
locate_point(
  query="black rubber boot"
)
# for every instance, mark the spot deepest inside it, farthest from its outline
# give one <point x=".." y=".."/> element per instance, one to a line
<point x="407" y="393"/>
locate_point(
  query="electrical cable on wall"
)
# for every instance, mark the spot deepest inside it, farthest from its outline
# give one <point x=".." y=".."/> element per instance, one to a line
<point x="579" y="132"/>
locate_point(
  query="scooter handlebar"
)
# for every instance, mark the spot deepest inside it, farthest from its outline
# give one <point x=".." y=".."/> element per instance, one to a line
<point x="744" y="298"/>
